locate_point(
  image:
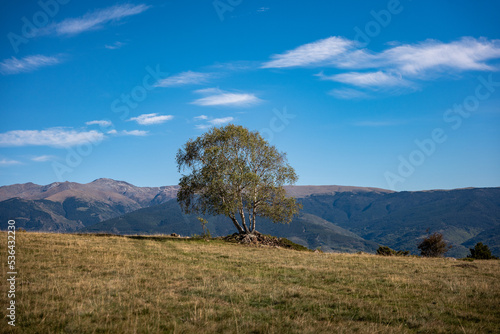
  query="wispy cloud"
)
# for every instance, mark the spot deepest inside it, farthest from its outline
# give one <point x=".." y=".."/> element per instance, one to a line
<point x="100" y="123"/>
<point x="185" y="78"/>
<point x="399" y="66"/>
<point x="149" y="119"/>
<point x="201" y="117"/>
<point x="139" y="133"/>
<point x="311" y="54"/>
<point x="462" y="55"/>
<point x="368" y="79"/>
<point x="54" y="137"/>
<point x="8" y="162"/>
<point x="217" y="97"/>
<point x="43" y="158"/>
<point x="348" y="94"/>
<point x="409" y="59"/>
<point x="236" y="66"/>
<point x="94" y="20"/>
<point x="262" y="9"/>
<point x="114" y="46"/>
<point x="27" y="64"/>
<point x="214" y="122"/>
<point x="209" y="91"/>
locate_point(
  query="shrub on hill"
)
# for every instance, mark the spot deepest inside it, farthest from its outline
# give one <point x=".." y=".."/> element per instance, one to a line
<point x="433" y="246"/>
<point x="386" y="251"/>
<point x="481" y="252"/>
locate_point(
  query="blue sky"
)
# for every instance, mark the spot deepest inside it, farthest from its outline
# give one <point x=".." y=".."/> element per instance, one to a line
<point x="401" y="95"/>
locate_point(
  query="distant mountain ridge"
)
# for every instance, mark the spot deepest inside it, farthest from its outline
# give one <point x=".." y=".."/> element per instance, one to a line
<point x="338" y="218"/>
<point x="70" y="206"/>
<point x="101" y="189"/>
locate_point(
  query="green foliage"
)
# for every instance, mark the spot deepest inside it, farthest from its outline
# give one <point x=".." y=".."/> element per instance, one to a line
<point x="434" y="246"/>
<point x="481" y="252"/>
<point x="236" y="173"/>
<point x="386" y="251"/>
<point x="292" y="245"/>
<point x="206" y="232"/>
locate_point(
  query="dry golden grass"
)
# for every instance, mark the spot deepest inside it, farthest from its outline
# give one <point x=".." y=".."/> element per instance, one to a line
<point x="109" y="284"/>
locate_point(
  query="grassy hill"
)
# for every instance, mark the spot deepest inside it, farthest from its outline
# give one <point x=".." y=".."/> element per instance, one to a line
<point x="112" y="284"/>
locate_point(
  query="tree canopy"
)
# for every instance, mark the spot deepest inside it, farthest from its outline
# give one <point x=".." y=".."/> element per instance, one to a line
<point x="235" y="172"/>
<point x="481" y="252"/>
<point x="434" y="246"/>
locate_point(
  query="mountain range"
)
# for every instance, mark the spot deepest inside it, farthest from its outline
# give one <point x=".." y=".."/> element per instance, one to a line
<point x="333" y="218"/>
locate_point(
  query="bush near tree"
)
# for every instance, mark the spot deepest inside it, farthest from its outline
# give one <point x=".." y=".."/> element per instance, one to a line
<point x="433" y="246"/>
<point x="481" y="252"/>
<point x="386" y="251"/>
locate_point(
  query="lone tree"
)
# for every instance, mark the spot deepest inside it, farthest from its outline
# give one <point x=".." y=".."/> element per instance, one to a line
<point x="433" y="246"/>
<point x="235" y="172"/>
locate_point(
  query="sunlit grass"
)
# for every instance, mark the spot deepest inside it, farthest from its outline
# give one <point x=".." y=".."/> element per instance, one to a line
<point x="110" y="284"/>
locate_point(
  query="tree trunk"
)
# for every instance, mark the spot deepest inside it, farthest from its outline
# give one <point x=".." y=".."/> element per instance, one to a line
<point x="237" y="225"/>
<point x="252" y="225"/>
<point x="242" y="215"/>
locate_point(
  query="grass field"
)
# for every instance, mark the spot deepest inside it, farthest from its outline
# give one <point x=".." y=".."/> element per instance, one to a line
<point x="110" y="284"/>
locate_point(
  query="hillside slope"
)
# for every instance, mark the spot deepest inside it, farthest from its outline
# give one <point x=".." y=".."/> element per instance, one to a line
<point x="353" y="220"/>
<point x="307" y="230"/>
<point x="400" y="220"/>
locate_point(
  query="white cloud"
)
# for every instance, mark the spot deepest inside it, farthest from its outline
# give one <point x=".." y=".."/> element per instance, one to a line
<point x="349" y="93"/>
<point x="43" y="158"/>
<point x="219" y="121"/>
<point x="262" y="9"/>
<point x="94" y="20"/>
<point x="201" y="117"/>
<point x="398" y="67"/>
<point x="27" y="64"/>
<point x="100" y="123"/>
<point x="184" y="78"/>
<point x="114" y="46"/>
<point x="215" y="122"/>
<point x="409" y="59"/>
<point x="112" y="132"/>
<point x="311" y="54"/>
<point x="149" y="119"/>
<point x="218" y="97"/>
<point x="134" y="133"/>
<point x="465" y="54"/>
<point x="7" y="162"/>
<point x="55" y="137"/>
<point x="368" y="79"/>
<point x="208" y="91"/>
